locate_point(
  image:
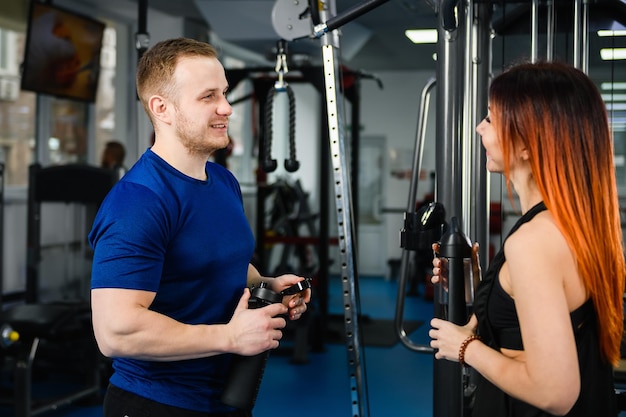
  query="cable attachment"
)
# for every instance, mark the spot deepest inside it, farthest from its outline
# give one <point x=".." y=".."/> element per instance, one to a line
<point x="269" y="164"/>
<point x="281" y="65"/>
<point x="291" y="164"/>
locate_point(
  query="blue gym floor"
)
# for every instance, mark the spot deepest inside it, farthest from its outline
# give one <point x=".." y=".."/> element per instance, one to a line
<point x="399" y="381"/>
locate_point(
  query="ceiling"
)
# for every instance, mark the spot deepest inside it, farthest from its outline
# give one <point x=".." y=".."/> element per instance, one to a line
<point x="374" y="41"/>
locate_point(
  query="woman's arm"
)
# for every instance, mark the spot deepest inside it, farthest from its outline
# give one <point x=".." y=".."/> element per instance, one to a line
<point x="538" y="270"/>
<point x="296" y="302"/>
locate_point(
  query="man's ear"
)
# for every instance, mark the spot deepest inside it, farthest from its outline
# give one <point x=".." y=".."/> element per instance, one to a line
<point x="159" y="108"/>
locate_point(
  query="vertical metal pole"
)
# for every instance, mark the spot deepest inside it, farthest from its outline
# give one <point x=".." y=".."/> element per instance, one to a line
<point x="478" y="221"/>
<point x="323" y="254"/>
<point x="534" y="30"/>
<point x="42" y="129"/>
<point x="33" y="237"/>
<point x="581" y="35"/>
<point x="355" y="146"/>
<point x="584" y="38"/>
<point x="550" y="30"/>
<point x="467" y="123"/>
<point x="577" y="33"/>
<point x="347" y="252"/>
<point x="345" y="221"/>
<point x="447" y="376"/>
<point x="448" y="119"/>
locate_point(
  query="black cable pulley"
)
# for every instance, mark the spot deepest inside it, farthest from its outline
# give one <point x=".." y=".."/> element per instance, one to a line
<point x="291" y="163"/>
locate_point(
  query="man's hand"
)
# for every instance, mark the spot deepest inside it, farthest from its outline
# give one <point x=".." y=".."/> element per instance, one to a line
<point x="253" y="331"/>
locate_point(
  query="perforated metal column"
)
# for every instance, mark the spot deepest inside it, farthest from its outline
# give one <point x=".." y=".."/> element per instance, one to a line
<point x="347" y="252"/>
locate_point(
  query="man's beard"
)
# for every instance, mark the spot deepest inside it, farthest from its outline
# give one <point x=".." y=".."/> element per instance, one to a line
<point x="194" y="140"/>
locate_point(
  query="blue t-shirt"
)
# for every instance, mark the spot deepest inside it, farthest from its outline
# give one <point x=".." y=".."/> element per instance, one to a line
<point x="189" y="242"/>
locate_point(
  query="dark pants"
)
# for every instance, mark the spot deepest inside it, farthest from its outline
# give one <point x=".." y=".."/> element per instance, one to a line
<point x="120" y="403"/>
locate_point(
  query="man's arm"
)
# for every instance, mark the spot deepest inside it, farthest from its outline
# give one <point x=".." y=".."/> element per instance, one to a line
<point x="124" y="326"/>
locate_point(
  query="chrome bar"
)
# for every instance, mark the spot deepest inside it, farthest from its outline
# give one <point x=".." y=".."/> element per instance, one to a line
<point x="534" y="30"/>
<point x="418" y="155"/>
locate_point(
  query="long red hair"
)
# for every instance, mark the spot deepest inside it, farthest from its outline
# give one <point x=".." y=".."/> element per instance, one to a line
<point x="556" y="112"/>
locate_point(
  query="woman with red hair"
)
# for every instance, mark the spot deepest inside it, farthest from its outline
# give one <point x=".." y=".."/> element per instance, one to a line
<point x="548" y="313"/>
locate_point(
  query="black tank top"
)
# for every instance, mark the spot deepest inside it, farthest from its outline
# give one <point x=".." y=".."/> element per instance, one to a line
<point x="499" y="327"/>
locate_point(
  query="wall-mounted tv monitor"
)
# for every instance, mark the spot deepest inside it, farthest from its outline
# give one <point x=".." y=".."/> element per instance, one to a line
<point x="62" y="53"/>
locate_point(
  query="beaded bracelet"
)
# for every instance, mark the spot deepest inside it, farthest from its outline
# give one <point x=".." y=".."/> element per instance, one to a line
<point x="466" y="342"/>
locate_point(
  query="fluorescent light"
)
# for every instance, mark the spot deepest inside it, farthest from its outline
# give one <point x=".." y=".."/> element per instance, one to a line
<point x="614" y="97"/>
<point x="422" y="35"/>
<point x="612" y="54"/>
<point x="615" y="106"/>
<point x="609" y="33"/>
<point x="613" y="86"/>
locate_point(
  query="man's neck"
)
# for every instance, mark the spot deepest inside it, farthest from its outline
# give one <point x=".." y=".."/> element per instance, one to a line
<point x="192" y="165"/>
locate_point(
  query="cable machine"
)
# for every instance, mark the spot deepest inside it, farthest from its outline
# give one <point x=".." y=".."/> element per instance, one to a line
<point x="325" y="20"/>
<point x="462" y="186"/>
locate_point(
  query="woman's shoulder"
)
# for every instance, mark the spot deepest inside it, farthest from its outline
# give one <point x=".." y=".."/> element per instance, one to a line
<point x="537" y="242"/>
<point x="539" y="248"/>
<point x="541" y="231"/>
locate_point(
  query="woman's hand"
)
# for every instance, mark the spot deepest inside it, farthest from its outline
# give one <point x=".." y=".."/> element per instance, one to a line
<point x="447" y="337"/>
<point x="440" y="266"/>
<point x="296" y="303"/>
